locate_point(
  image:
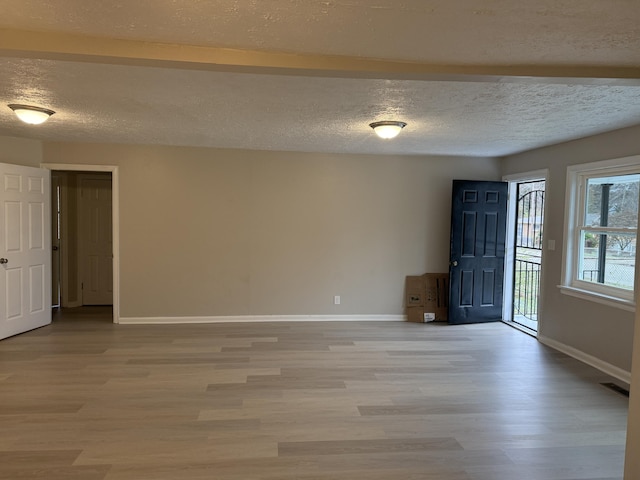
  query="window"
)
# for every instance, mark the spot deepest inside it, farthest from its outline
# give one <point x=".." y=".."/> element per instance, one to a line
<point x="601" y="233"/>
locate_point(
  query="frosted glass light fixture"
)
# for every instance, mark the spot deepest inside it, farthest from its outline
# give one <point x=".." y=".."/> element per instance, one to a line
<point x="387" y="129"/>
<point x="31" y="115"/>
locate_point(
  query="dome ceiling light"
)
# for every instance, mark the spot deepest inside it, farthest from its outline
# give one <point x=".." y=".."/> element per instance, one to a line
<point x="30" y="114"/>
<point x="387" y="129"/>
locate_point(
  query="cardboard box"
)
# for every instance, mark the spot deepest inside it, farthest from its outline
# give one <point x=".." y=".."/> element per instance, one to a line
<point x="418" y="315"/>
<point x="414" y="291"/>
<point x="427" y="297"/>
<point x="436" y="299"/>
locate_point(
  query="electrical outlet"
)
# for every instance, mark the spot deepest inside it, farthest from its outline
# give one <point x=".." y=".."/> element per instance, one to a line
<point x="336" y="300"/>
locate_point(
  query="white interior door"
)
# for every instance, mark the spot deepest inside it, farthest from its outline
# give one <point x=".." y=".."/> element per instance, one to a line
<point x="25" y="249"/>
<point x="96" y="239"/>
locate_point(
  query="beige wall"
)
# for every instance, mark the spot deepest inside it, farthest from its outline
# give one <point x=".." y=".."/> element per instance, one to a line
<point x="20" y="151"/>
<point x="597" y="330"/>
<point x="592" y="328"/>
<point x="208" y="232"/>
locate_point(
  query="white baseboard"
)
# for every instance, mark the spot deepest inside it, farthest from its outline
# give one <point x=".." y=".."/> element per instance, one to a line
<point x="601" y="365"/>
<point x="261" y="318"/>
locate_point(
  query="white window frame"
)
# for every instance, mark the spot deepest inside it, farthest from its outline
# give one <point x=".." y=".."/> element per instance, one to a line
<point x="577" y="176"/>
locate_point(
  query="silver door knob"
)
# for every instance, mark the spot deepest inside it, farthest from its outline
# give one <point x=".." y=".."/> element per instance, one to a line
<point x="3" y="261"/>
<point x="454" y="263"/>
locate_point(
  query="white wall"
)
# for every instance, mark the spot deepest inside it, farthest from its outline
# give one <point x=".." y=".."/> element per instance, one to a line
<point x="208" y="232"/>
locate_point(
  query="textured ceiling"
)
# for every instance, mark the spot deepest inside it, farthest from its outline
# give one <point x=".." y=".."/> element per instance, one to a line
<point x="470" y="78"/>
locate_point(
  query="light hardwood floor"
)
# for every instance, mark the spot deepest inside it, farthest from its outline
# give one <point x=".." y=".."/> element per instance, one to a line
<point x="88" y="400"/>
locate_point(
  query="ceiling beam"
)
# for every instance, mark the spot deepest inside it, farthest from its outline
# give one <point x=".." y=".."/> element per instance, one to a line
<point x="93" y="49"/>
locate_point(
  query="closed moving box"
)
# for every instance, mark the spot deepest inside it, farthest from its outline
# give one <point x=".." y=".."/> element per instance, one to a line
<point x="419" y="315"/>
<point x="427" y="297"/>
<point x="414" y="291"/>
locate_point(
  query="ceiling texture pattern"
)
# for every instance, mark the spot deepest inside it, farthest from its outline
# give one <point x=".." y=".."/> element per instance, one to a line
<point x="487" y="78"/>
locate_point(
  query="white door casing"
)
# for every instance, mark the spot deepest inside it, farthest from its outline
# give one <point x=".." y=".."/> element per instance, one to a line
<point x="115" y="203"/>
<point x="25" y="247"/>
<point x="95" y="239"/>
<point x="513" y="180"/>
<point x="55" y="240"/>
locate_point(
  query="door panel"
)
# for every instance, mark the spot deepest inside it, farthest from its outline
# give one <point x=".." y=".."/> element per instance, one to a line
<point x="24" y="247"/>
<point x="478" y="231"/>
<point x="14" y="293"/>
<point x="36" y="279"/>
<point x="96" y="242"/>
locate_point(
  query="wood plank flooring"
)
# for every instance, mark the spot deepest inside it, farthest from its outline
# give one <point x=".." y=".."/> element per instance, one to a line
<point x="86" y="399"/>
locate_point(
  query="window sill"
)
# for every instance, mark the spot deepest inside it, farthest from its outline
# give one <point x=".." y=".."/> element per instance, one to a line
<point x="608" y="300"/>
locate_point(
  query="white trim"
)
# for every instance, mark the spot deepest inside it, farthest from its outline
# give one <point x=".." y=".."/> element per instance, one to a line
<point x="592" y="296"/>
<point x="64" y="246"/>
<point x="612" y="370"/>
<point x="509" y="251"/>
<point x="570" y="213"/>
<point x="577" y="176"/>
<point x="527" y="176"/>
<point x="623" y="162"/>
<point x="262" y="318"/>
<point x="115" y="203"/>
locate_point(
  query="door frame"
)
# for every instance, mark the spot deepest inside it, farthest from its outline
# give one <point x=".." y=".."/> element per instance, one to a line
<point x="509" y="258"/>
<point x="56" y="265"/>
<point x="115" y="219"/>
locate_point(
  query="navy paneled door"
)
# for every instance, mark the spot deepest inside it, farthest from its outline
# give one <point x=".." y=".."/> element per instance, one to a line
<point x="476" y="263"/>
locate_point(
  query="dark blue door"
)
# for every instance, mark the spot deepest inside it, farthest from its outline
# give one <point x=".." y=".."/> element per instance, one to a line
<point x="476" y="263"/>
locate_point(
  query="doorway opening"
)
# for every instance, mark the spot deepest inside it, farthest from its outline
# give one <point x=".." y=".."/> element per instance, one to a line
<point x="85" y="236"/>
<point x="524" y="252"/>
